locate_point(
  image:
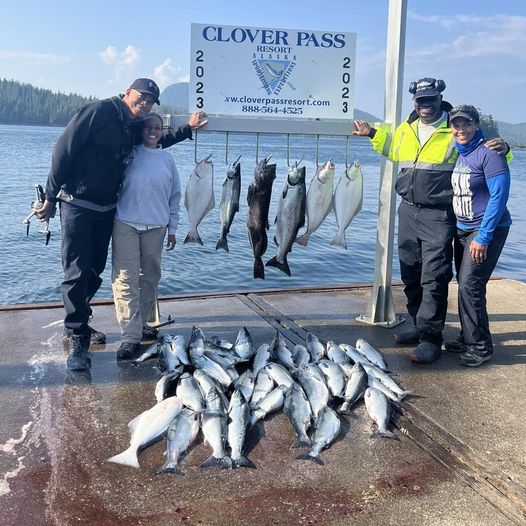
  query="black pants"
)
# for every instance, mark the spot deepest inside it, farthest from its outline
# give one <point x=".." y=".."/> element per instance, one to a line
<point x="472" y="279"/>
<point x="86" y="236"/>
<point x="425" y="250"/>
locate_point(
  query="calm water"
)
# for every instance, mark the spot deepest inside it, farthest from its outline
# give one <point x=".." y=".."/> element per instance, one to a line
<point x="31" y="272"/>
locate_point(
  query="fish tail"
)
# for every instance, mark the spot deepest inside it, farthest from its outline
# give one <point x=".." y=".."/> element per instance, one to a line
<point x="303" y="240"/>
<point x="259" y="269"/>
<point x="339" y="240"/>
<point x="242" y="461"/>
<point x="345" y="409"/>
<point x="169" y="468"/>
<point x="126" y="458"/>
<point x="193" y="237"/>
<point x="403" y="394"/>
<point x="223" y="463"/>
<point x="284" y="267"/>
<point x="308" y="456"/>
<point x="222" y="243"/>
<point x="301" y="442"/>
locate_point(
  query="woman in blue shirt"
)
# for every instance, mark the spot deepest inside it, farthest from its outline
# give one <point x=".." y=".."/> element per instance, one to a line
<point x="481" y="184"/>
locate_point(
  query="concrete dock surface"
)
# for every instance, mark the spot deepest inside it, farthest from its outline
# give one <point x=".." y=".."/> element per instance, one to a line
<point x="460" y="457"/>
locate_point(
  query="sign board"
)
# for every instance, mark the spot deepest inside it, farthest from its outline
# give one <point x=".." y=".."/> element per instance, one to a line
<point x="272" y="73"/>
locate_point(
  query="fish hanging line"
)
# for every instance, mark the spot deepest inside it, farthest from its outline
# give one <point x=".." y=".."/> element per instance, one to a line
<point x="227" y="135"/>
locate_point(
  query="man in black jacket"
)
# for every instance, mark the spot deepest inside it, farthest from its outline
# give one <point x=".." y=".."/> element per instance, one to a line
<point x="87" y="165"/>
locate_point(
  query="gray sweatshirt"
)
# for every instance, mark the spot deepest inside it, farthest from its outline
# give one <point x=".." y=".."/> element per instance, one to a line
<point x="151" y="190"/>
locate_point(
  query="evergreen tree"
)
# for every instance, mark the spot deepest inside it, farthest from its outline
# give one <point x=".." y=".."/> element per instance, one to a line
<point x="25" y="104"/>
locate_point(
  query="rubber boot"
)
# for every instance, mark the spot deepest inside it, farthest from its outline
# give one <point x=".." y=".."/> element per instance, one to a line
<point x="79" y="356"/>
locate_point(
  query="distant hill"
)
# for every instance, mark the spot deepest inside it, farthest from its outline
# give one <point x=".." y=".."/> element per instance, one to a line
<point x="514" y="134"/>
<point x="177" y="95"/>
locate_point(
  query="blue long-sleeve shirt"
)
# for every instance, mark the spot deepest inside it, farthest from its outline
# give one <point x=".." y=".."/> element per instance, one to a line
<point x="481" y="185"/>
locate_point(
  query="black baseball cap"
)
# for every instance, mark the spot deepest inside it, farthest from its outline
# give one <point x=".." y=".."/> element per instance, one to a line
<point x="147" y="86"/>
<point x="426" y="88"/>
<point x="467" y="111"/>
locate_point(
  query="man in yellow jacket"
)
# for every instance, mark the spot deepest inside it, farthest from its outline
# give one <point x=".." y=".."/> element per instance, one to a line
<point x="424" y="149"/>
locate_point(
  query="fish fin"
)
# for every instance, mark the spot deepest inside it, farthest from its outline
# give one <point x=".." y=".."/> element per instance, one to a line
<point x="404" y="394"/>
<point x="242" y="461"/>
<point x="306" y="456"/>
<point x="223" y="463"/>
<point x="222" y="243"/>
<point x="284" y="267"/>
<point x="339" y="240"/>
<point x="250" y="194"/>
<point x="175" y="469"/>
<point x="193" y="238"/>
<point x="303" y="240"/>
<point x="126" y="458"/>
<point x="259" y="269"/>
<point x="301" y="442"/>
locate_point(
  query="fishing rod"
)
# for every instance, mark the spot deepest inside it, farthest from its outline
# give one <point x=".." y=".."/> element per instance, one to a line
<point x="36" y="205"/>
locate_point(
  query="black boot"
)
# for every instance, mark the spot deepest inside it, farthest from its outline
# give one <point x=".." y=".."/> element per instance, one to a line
<point x="96" y="337"/>
<point x="79" y="356"/>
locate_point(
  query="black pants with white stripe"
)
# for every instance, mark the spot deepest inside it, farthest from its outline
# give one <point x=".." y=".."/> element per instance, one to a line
<point x="425" y="250"/>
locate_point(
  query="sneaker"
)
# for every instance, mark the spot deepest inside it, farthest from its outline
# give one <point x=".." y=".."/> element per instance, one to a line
<point x="408" y="337"/>
<point x="456" y="346"/>
<point x="474" y="357"/>
<point x="149" y="333"/>
<point x="97" y="337"/>
<point x="79" y="356"/>
<point x="426" y="352"/>
<point x="127" y="350"/>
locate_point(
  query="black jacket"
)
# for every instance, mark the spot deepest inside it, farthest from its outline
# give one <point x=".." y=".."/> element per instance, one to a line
<point x="90" y="156"/>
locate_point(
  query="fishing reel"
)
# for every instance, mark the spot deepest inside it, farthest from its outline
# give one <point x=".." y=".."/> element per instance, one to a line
<point x="36" y="205"/>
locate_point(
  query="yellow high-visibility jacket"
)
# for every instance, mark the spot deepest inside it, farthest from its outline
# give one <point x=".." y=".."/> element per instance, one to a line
<point x="425" y="169"/>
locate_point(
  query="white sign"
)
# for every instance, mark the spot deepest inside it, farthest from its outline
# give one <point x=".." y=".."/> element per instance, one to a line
<point x="267" y="72"/>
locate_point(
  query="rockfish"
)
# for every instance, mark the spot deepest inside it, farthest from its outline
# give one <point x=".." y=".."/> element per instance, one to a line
<point x="259" y="194"/>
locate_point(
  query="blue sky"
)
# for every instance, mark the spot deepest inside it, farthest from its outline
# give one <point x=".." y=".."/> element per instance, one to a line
<point x="98" y="47"/>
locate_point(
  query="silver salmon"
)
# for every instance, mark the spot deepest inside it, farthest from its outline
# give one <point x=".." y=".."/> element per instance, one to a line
<point x="229" y="204"/>
<point x="290" y="217"/>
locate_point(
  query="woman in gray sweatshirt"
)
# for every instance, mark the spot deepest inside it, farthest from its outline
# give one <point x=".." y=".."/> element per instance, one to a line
<point x="147" y="208"/>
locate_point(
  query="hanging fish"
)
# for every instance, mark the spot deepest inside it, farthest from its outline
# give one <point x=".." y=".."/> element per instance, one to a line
<point x="348" y="198"/>
<point x="319" y="200"/>
<point x="259" y="194"/>
<point x="199" y="197"/>
<point x="290" y="217"/>
<point x="229" y="205"/>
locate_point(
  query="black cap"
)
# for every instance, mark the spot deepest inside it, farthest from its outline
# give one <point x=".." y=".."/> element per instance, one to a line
<point x="426" y="88"/>
<point x="148" y="87"/>
<point x="467" y="111"/>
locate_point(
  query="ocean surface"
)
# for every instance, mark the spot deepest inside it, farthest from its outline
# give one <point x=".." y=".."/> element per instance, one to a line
<point x="31" y="272"/>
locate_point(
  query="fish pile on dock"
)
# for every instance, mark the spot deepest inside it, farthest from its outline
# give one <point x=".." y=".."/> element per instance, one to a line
<point x="297" y="207"/>
<point x="224" y="389"/>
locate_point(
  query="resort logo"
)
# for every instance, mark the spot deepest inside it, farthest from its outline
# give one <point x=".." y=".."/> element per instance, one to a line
<point x="273" y="73"/>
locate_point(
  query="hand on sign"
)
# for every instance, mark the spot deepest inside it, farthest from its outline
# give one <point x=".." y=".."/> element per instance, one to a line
<point x="197" y="120"/>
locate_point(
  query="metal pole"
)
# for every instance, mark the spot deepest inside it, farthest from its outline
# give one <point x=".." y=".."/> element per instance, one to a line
<point x="381" y="309"/>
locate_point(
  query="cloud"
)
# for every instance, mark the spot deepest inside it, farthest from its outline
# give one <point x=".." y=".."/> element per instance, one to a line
<point x="474" y="37"/>
<point x="33" y="59"/>
<point x="164" y="73"/>
<point x="122" y="62"/>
